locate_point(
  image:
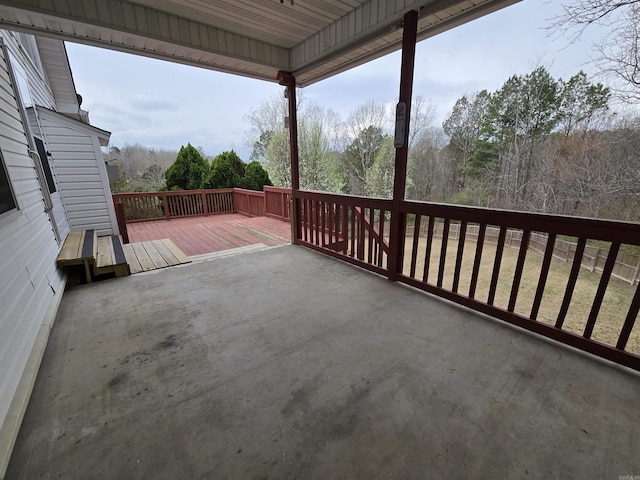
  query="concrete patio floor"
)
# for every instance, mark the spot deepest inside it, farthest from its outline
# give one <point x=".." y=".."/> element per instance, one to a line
<point x="285" y="364"/>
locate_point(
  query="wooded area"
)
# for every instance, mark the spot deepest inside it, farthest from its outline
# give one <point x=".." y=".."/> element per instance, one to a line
<point x="536" y="144"/>
<point x="144" y="169"/>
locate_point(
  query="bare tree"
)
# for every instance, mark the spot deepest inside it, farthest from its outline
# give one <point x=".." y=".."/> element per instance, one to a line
<point x="317" y="131"/>
<point x="427" y="170"/>
<point x="619" y="54"/>
<point x="363" y="134"/>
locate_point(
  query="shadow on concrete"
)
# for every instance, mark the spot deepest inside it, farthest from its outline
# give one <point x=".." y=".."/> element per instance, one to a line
<point x="288" y="364"/>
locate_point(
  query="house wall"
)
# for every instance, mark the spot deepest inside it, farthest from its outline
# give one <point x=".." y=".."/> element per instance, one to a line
<point x="59" y="212"/>
<point x="81" y="174"/>
<point x="30" y="283"/>
<point x="41" y="94"/>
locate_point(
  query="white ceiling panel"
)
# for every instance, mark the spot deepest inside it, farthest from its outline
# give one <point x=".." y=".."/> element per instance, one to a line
<point x="313" y="39"/>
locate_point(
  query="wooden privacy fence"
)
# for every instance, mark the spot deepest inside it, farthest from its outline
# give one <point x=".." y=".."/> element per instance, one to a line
<point x="436" y="240"/>
<point x="146" y="206"/>
<point x="626" y="268"/>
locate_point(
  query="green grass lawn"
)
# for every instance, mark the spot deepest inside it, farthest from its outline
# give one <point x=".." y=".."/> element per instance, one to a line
<point x="610" y="318"/>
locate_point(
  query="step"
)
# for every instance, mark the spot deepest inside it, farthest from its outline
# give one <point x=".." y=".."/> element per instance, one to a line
<point x="153" y="255"/>
<point x="110" y="257"/>
<point x="256" y="247"/>
<point x="79" y="248"/>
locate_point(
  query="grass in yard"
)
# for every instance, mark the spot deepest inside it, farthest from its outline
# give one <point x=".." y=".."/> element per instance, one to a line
<point x="610" y="318"/>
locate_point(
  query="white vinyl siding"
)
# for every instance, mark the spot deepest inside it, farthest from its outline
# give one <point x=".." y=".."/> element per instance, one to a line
<point x="38" y="85"/>
<point x="59" y="212"/>
<point x="29" y="277"/>
<point x="80" y="172"/>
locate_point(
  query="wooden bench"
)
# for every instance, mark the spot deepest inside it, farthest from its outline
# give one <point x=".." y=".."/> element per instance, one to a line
<point x="98" y="255"/>
<point x="111" y="257"/>
<point x="79" y="248"/>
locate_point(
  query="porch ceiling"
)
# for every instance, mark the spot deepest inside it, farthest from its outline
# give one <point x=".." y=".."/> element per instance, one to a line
<point x="289" y="364"/>
<point x="256" y="38"/>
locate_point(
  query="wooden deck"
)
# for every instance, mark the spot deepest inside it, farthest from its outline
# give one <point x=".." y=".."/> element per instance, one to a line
<point x="200" y="235"/>
<point x="153" y="254"/>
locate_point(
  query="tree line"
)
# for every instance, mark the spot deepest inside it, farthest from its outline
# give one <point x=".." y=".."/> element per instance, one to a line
<point x="537" y="144"/>
<point x="191" y="171"/>
<point x="145" y="169"/>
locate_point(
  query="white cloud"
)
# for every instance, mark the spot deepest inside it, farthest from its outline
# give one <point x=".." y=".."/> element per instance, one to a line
<point x="165" y="105"/>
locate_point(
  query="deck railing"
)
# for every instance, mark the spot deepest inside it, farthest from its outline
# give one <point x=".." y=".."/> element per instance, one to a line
<point x="276" y="202"/>
<point x="347" y="227"/>
<point x="249" y="202"/>
<point x="447" y="252"/>
<point x="145" y="206"/>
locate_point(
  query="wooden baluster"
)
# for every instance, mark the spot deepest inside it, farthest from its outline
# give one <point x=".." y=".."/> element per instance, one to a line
<point x="166" y="205"/>
<point x="602" y="288"/>
<point x="371" y="235"/>
<point x="443" y="251"/>
<point x="316" y="220"/>
<point x="345" y="229"/>
<point x="331" y="222"/>
<point x="627" y="328"/>
<point x="517" y="276"/>
<point x="323" y="211"/>
<point x="462" y="236"/>
<point x="476" y="261"/>
<point x="571" y="283"/>
<point x="353" y="231"/>
<point x="138" y="208"/>
<point x="544" y="273"/>
<point x="414" y="249"/>
<point x="361" y="234"/>
<point x="427" y="253"/>
<point x="305" y="214"/>
<point x="381" y="237"/>
<point x="496" y="266"/>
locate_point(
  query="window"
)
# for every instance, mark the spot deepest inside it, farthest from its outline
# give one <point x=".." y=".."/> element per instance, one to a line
<point x="44" y="159"/>
<point x="7" y="200"/>
<point x="21" y="81"/>
<point x="28" y="43"/>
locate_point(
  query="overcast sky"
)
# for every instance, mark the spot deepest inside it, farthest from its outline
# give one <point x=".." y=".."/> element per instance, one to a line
<point x="164" y="105"/>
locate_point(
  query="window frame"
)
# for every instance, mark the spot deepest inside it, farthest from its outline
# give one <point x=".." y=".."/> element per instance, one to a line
<point x="46" y="165"/>
<point x="5" y="171"/>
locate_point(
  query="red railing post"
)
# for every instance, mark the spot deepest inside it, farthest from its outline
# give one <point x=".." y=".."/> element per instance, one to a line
<point x="287" y="80"/>
<point x="165" y="203"/>
<point x="403" y="114"/>
<point x="264" y="200"/>
<point x="121" y="218"/>
<point x="205" y="207"/>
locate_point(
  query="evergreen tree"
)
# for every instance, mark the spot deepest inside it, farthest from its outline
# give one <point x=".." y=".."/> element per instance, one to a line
<point x="223" y="174"/>
<point x="189" y="170"/>
<point x="255" y="177"/>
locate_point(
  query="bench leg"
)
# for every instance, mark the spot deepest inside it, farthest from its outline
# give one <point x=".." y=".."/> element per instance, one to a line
<point x="87" y="271"/>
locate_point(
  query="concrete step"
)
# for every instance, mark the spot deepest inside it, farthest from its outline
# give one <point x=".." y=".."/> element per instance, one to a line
<point x="256" y="247"/>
